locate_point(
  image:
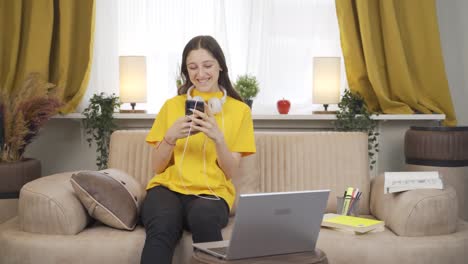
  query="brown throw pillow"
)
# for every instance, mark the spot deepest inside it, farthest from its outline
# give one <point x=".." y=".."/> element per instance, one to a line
<point x="110" y="196"/>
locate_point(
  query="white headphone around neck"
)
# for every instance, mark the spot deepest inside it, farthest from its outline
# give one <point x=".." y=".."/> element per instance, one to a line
<point x="216" y="104"/>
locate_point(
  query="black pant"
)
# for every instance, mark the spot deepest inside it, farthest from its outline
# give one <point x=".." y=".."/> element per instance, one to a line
<point x="166" y="213"/>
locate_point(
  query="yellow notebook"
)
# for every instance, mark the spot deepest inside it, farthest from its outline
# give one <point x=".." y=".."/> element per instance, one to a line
<point x="356" y="224"/>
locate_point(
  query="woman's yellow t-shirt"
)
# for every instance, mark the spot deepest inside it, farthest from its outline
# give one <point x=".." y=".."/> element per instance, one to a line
<point x="195" y="177"/>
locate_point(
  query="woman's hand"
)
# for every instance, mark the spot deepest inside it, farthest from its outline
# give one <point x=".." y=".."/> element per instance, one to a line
<point x="228" y="161"/>
<point x="206" y="123"/>
<point x="179" y="129"/>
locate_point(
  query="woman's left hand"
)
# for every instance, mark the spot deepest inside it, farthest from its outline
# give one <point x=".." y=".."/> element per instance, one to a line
<point x="206" y="123"/>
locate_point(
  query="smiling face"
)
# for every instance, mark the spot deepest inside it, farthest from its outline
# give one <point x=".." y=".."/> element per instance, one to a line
<point x="203" y="70"/>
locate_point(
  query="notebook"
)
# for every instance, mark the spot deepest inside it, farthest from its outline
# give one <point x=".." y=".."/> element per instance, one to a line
<point x="352" y="223"/>
<point x="272" y="223"/>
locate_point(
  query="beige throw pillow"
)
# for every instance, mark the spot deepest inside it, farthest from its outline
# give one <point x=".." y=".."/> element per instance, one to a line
<point x="110" y="196"/>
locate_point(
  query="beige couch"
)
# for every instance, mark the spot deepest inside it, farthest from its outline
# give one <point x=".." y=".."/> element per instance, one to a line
<point x="421" y="226"/>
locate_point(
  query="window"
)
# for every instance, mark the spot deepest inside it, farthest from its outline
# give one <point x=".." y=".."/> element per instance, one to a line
<point x="275" y="40"/>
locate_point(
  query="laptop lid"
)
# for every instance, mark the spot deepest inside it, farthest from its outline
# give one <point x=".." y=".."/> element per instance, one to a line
<point x="275" y="223"/>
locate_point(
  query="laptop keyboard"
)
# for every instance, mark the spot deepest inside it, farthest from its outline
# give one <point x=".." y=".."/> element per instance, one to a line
<point x="220" y="250"/>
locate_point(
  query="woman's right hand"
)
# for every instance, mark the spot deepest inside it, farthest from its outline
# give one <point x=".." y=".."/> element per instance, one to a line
<point x="180" y="129"/>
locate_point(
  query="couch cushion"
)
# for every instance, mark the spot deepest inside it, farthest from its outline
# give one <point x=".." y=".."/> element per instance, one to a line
<point x="9" y="209"/>
<point x="129" y="152"/>
<point x="101" y="244"/>
<point x="244" y="182"/>
<point x="424" y="212"/>
<point x="49" y="205"/>
<point x="96" y="244"/>
<point x="110" y="196"/>
<point x="295" y="161"/>
<point x="387" y="248"/>
<point x="285" y="161"/>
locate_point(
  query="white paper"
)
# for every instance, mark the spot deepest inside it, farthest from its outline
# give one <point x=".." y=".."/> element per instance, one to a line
<point x="411" y="180"/>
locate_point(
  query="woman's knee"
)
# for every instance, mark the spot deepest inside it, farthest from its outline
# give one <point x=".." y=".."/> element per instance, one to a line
<point x="207" y="213"/>
<point x="162" y="212"/>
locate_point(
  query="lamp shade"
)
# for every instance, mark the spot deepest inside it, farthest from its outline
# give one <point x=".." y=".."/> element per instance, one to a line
<point x="327" y="77"/>
<point x="132" y="79"/>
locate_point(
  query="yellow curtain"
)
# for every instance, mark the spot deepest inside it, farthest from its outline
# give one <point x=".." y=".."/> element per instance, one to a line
<point x="51" y="37"/>
<point x="393" y="56"/>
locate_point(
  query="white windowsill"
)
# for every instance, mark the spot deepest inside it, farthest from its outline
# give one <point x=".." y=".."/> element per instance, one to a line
<point x="293" y="117"/>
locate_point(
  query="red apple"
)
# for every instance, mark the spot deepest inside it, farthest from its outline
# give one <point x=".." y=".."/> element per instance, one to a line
<point x="283" y="106"/>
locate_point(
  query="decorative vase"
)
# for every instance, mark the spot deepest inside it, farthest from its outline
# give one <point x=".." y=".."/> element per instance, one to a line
<point x="13" y="175"/>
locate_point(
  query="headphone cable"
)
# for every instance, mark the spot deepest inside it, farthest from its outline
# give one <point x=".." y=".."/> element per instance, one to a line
<point x="179" y="168"/>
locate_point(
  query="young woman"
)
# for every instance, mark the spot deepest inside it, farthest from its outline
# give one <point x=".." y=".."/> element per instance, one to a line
<point x="195" y="156"/>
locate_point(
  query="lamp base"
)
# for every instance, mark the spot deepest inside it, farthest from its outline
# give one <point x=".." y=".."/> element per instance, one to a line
<point x="325" y="112"/>
<point x="130" y="111"/>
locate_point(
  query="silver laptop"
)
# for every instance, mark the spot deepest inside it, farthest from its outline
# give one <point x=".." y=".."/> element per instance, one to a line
<point x="272" y="223"/>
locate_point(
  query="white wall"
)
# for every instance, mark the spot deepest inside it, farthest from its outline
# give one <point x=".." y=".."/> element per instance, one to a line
<point x="453" y="24"/>
<point x="62" y="146"/>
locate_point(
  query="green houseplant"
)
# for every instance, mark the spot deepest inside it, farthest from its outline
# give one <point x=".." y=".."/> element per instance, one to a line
<point x="248" y="87"/>
<point x="99" y="124"/>
<point x="179" y="77"/>
<point x="24" y="110"/>
<point x="353" y="115"/>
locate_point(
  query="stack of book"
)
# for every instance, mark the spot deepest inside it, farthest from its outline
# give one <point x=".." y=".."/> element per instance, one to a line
<point x="405" y="181"/>
<point x="358" y="225"/>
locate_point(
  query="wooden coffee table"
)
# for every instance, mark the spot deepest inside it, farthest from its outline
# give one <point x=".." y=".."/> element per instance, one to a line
<point x="310" y="257"/>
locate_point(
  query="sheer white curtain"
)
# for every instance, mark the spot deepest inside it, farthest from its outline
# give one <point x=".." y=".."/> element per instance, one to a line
<point x="274" y="40"/>
<point x="105" y="65"/>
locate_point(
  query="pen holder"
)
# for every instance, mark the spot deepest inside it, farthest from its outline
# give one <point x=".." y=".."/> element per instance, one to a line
<point x="352" y="206"/>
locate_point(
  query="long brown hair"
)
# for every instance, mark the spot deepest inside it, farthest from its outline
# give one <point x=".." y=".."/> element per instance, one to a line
<point x="211" y="45"/>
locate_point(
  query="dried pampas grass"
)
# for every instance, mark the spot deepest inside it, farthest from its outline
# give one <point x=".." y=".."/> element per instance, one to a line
<point x="25" y="110"/>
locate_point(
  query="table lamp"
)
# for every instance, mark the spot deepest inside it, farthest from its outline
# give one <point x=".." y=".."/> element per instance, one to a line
<point x="132" y="81"/>
<point x="326" y="89"/>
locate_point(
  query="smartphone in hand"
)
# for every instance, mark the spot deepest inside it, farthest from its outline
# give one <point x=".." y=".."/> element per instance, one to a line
<point x="192" y="104"/>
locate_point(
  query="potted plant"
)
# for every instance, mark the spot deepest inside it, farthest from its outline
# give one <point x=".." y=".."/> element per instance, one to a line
<point x="353" y="115"/>
<point x="248" y="87"/>
<point x="99" y="124"/>
<point x="179" y="77"/>
<point x="23" y="112"/>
